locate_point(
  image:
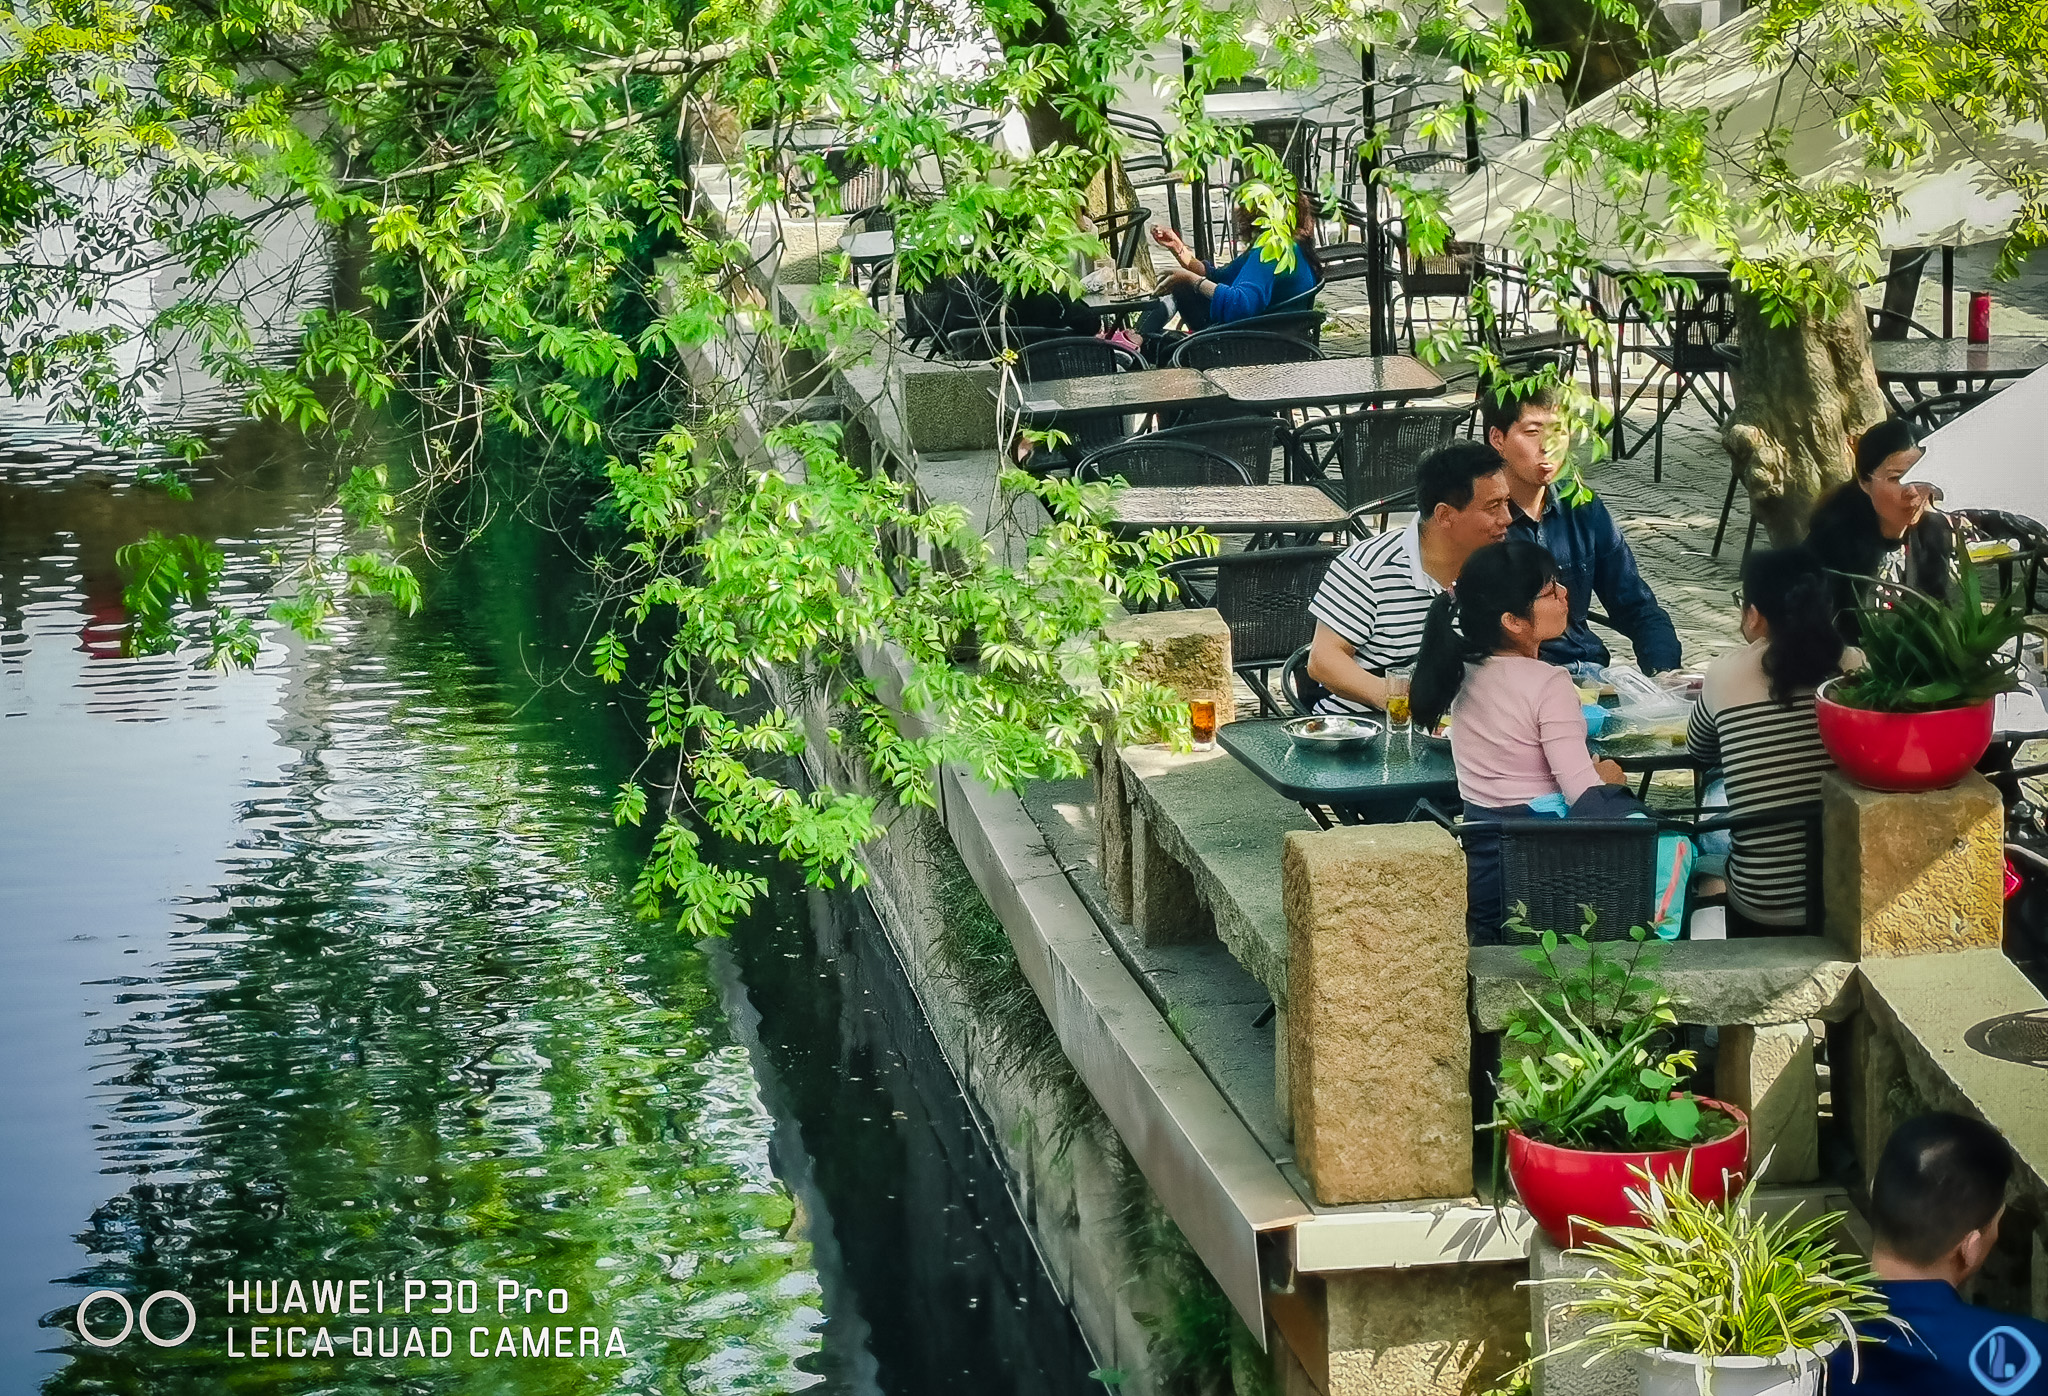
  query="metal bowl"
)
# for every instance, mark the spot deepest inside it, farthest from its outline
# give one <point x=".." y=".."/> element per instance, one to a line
<point x="1440" y="736"/>
<point x="1332" y="733"/>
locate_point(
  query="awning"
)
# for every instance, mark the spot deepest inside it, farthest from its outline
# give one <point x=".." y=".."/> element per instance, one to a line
<point x="1994" y="456"/>
<point x="1951" y="195"/>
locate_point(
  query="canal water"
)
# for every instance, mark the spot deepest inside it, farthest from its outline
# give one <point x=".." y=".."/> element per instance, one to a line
<point x="323" y="1018"/>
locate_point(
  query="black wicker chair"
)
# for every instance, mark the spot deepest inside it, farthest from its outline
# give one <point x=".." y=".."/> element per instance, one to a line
<point x="1692" y="362"/>
<point x="1072" y="356"/>
<point x="1554" y="867"/>
<point x="1231" y="348"/>
<point x="1295" y="324"/>
<point x="1149" y="461"/>
<point x="1366" y="460"/>
<point x="1890" y="324"/>
<point x="1932" y="412"/>
<point x="1247" y="440"/>
<point x="992" y="341"/>
<point x="1123" y="233"/>
<point x="1147" y="161"/>
<point x="1263" y="597"/>
<point x="1301" y="692"/>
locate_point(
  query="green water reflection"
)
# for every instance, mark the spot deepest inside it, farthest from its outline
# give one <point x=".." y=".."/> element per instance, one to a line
<point x="415" y="1033"/>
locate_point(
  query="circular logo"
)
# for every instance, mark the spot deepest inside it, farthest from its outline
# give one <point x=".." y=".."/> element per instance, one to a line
<point x="132" y="1318"/>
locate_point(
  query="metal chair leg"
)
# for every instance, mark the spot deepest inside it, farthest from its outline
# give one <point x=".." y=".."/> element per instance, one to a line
<point x="1727" y="507"/>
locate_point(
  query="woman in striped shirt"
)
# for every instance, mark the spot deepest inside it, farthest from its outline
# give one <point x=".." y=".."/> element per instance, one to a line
<point x="1755" y="721"/>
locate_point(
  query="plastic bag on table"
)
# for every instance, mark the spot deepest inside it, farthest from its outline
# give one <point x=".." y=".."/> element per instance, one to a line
<point x="1646" y="714"/>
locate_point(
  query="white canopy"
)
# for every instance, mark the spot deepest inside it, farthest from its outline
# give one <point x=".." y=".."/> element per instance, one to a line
<point x="1994" y="456"/>
<point x="1950" y="196"/>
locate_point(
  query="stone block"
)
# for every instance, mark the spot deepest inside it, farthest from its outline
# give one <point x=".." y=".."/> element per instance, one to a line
<point x="1225" y="827"/>
<point x="1768" y="1072"/>
<point x="1450" y="1329"/>
<point x="1113" y="831"/>
<point x="1912" y="874"/>
<point x="946" y="406"/>
<point x="1716" y="982"/>
<point x="1186" y="651"/>
<point x="1549" y="1329"/>
<point x="810" y="250"/>
<point x="1164" y="906"/>
<point x="1378" y="1042"/>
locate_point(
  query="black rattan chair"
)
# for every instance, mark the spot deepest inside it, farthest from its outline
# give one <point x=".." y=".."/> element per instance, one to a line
<point x="1554" y="867"/>
<point x="1932" y="412"/>
<point x="1447" y="275"/>
<point x="1295" y="324"/>
<point x="1123" y="233"/>
<point x="1247" y="440"/>
<point x="1366" y="460"/>
<point x="1150" y="461"/>
<point x="1073" y="356"/>
<point x="1890" y="324"/>
<point x="992" y="341"/>
<point x="1148" y="161"/>
<point x="1692" y="361"/>
<point x="1263" y="597"/>
<point x="1231" y="348"/>
<point x="1301" y="692"/>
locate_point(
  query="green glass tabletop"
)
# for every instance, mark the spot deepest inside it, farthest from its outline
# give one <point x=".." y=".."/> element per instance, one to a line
<point x="1393" y="766"/>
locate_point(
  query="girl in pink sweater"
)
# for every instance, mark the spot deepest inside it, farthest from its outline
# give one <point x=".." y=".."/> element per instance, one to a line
<point x="1518" y="736"/>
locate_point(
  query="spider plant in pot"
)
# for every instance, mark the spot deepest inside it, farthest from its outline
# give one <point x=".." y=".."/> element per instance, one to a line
<point x="1917" y="714"/>
<point x="1588" y="1096"/>
<point x="1710" y="1297"/>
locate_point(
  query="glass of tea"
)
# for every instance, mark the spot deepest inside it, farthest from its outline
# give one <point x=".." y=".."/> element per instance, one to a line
<point x="1397" y="698"/>
<point x="1202" y="723"/>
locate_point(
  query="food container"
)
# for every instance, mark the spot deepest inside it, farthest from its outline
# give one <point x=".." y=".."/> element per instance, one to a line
<point x="1332" y="733"/>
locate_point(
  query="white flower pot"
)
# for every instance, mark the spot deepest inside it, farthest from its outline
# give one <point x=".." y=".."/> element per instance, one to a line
<point x="1661" y="1372"/>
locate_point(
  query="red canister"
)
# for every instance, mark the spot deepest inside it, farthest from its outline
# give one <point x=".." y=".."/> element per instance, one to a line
<point x="1980" y="317"/>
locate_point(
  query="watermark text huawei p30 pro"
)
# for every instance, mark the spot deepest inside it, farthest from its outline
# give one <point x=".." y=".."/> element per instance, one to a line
<point x="357" y="1318"/>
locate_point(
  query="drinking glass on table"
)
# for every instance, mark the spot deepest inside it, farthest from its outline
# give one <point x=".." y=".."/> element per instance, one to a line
<point x="1202" y="723"/>
<point x="1398" y="679"/>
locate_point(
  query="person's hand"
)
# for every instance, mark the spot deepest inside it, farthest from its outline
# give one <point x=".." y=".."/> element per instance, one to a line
<point x="1180" y="276"/>
<point x="1610" y="772"/>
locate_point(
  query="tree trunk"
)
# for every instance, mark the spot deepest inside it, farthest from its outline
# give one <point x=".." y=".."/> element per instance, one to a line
<point x="1047" y="124"/>
<point x="1597" y="52"/>
<point x="1803" y="391"/>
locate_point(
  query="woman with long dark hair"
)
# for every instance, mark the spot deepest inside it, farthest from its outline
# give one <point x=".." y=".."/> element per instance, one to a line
<point x="1755" y="720"/>
<point x="1518" y="734"/>
<point x="1876" y="527"/>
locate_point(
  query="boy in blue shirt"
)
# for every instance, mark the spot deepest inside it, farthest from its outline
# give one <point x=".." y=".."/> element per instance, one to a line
<point x="1935" y="1205"/>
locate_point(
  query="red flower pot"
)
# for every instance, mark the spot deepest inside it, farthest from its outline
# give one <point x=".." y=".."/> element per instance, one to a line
<point x="1558" y="1185"/>
<point x="1903" y="751"/>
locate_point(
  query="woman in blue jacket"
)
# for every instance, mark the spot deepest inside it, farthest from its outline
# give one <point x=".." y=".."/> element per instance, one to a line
<point x="1206" y="294"/>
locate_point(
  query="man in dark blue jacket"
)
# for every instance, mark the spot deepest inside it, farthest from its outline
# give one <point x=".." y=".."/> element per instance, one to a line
<point x="1935" y="1204"/>
<point x="1593" y="559"/>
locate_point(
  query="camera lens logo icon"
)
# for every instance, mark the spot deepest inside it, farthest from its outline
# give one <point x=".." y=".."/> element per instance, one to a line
<point x="133" y="1318"/>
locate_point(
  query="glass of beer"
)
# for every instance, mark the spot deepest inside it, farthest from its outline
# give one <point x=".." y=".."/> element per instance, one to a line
<point x="1202" y="723"/>
<point x="1397" y="698"/>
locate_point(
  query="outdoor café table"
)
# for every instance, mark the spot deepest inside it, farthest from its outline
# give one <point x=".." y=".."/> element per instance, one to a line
<point x="1326" y="382"/>
<point x="1109" y="394"/>
<point x="1255" y="108"/>
<point x="1112" y="306"/>
<point x="1293" y="509"/>
<point x="1946" y="362"/>
<point x="1386" y="778"/>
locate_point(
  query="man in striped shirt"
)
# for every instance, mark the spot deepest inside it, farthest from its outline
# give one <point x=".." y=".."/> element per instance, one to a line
<point x="1372" y="603"/>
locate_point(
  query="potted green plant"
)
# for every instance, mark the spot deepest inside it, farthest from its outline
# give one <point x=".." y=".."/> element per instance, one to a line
<point x="1710" y="1297"/>
<point x="1588" y="1094"/>
<point x="1917" y="714"/>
